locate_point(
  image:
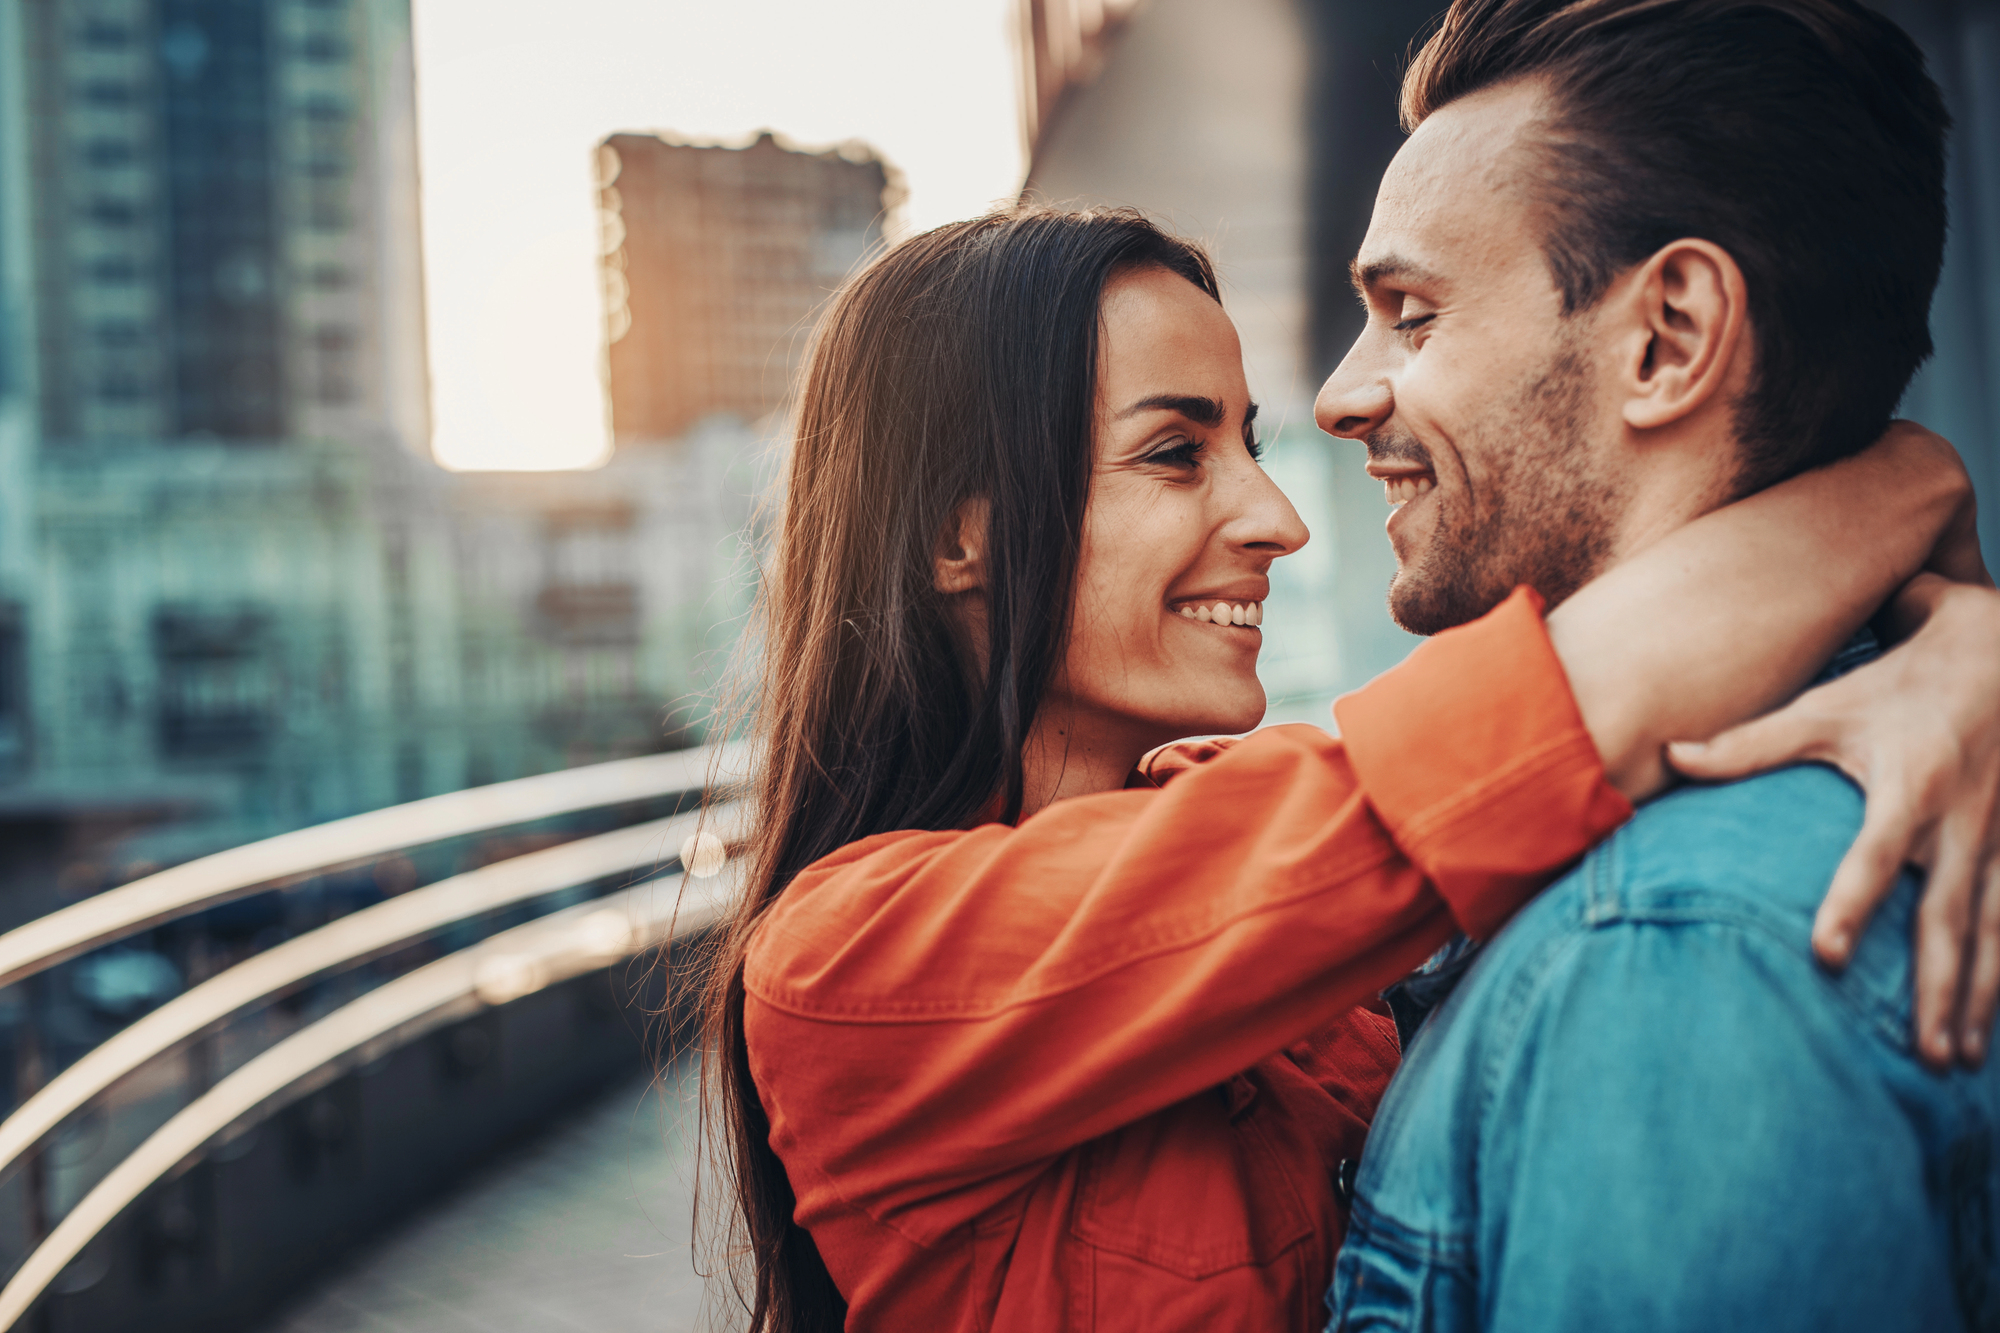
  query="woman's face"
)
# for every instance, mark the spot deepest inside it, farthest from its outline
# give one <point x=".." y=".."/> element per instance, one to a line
<point x="1180" y="532"/>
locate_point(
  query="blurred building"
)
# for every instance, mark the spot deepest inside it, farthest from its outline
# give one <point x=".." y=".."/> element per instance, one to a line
<point x="221" y="220"/>
<point x="1262" y="127"/>
<point x="715" y="261"/>
<point x="236" y="593"/>
<point x="215" y="562"/>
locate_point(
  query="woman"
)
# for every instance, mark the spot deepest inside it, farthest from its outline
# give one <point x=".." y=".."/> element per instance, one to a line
<point x="1016" y="1031"/>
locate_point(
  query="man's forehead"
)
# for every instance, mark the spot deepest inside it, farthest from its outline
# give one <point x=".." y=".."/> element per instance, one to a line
<point x="1452" y="199"/>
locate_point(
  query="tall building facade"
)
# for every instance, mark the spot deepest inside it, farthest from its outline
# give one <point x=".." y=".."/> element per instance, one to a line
<point x="222" y="600"/>
<point x="715" y="261"/>
<point x="236" y="593"/>
<point x="221" y="202"/>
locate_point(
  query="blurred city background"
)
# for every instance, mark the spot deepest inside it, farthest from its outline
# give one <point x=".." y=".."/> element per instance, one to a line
<point x="387" y="395"/>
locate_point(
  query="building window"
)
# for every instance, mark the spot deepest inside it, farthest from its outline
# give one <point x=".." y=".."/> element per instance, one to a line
<point x="109" y="152"/>
<point x="327" y="213"/>
<point x="322" y="49"/>
<point x="121" y="387"/>
<point x="590" y="592"/>
<point x="218" y="696"/>
<point x="103" y="92"/>
<point x="330" y="277"/>
<point x="101" y="35"/>
<point x="324" y="108"/>
<point x="333" y="345"/>
<point x="13" y="690"/>
<point x="221" y="223"/>
<point x="112" y="212"/>
<point x="118" y="333"/>
<point x="116" y="271"/>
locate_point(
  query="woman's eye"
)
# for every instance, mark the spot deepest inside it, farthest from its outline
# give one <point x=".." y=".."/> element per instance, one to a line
<point x="1177" y="453"/>
<point x="1414" y="322"/>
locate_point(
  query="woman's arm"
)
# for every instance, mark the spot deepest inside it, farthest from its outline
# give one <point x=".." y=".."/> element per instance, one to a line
<point x="1732" y="614"/>
<point x="932" y="1014"/>
<point x="1917" y="730"/>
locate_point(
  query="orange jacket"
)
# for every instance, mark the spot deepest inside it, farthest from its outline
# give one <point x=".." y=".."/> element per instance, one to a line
<point x="1097" y="1071"/>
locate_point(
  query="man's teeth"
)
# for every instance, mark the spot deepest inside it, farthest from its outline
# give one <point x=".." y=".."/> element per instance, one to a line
<point x="1227" y="613"/>
<point x="1402" y="490"/>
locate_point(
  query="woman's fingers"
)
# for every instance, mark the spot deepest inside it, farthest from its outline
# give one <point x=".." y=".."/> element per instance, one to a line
<point x="1975" y="1023"/>
<point x="1944" y="924"/>
<point x="1798" y="732"/>
<point x="1866" y="874"/>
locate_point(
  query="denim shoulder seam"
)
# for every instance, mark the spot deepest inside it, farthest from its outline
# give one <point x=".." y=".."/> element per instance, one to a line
<point x="1608" y="902"/>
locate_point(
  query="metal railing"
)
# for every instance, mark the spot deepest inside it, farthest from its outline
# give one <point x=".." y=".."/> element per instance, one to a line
<point x="507" y="966"/>
<point x="225" y="876"/>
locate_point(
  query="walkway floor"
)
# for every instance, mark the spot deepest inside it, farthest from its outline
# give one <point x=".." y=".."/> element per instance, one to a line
<point x="585" y="1228"/>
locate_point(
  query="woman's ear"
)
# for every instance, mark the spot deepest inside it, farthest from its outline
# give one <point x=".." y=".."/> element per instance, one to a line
<point x="960" y="564"/>
<point x="1688" y="311"/>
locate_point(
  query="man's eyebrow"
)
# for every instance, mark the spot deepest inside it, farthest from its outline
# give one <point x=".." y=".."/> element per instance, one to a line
<point x="1389" y="267"/>
<point x="1201" y="411"/>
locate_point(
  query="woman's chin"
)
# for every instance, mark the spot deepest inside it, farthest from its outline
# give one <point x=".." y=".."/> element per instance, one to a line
<point x="1236" y="711"/>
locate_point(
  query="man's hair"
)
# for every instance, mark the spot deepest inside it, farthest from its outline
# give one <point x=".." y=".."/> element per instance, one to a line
<point x="1802" y="136"/>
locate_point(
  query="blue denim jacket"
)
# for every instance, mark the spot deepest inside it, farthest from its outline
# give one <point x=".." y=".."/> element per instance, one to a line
<point x="1647" y="1107"/>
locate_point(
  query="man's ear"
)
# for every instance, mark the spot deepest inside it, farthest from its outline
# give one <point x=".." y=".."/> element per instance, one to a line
<point x="1688" y="309"/>
<point x="960" y="564"/>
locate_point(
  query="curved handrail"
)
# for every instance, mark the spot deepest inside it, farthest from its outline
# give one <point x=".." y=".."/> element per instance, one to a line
<point x="227" y="875"/>
<point x="351" y="940"/>
<point x="512" y="964"/>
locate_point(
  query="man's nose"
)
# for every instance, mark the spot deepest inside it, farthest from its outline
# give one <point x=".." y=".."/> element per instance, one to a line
<point x="1353" y="402"/>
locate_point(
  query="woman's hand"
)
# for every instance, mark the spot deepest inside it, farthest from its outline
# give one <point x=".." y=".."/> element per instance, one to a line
<point x="1919" y="730"/>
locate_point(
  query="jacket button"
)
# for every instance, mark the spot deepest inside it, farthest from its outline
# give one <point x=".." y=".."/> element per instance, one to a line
<point x="1343" y="1181"/>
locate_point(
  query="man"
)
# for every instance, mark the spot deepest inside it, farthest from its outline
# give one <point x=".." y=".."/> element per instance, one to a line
<point x="1639" y="258"/>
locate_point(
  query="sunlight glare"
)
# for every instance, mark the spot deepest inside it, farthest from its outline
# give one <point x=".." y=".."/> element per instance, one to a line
<point x="514" y="94"/>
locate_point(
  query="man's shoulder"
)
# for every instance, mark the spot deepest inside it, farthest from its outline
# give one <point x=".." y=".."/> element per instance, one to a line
<point x="1711" y="877"/>
<point x="1767" y="843"/>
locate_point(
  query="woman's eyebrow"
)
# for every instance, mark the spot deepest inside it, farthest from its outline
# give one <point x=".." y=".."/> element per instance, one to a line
<point x="1201" y="411"/>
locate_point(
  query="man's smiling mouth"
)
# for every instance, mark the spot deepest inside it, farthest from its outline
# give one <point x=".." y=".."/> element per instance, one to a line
<point x="1401" y="484"/>
<point x="1401" y="490"/>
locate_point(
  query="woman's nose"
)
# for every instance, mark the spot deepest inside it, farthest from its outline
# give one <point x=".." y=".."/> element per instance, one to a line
<point x="1267" y="521"/>
<point x="1353" y="403"/>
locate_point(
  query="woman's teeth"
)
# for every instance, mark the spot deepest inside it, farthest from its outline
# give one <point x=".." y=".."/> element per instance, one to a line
<point x="1402" y="490"/>
<point x="1227" y="613"/>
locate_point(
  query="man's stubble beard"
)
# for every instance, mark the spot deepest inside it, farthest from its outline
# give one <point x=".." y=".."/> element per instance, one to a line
<point x="1540" y="513"/>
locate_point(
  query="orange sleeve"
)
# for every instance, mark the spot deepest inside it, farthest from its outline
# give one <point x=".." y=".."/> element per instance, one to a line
<point x="930" y="1015"/>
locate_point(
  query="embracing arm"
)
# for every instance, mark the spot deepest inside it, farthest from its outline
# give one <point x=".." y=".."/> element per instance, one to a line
<point x="932" y="1014"/>
<point x="1733" y="613"/>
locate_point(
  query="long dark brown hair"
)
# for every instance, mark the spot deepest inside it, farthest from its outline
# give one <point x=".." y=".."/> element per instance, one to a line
<point x="960" y="365"/>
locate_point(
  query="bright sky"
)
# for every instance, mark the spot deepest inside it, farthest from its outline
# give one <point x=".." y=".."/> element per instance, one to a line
<point x="512" y="95"/>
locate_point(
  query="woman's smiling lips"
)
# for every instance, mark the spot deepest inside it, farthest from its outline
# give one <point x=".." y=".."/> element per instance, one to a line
<point x="1215" y="610"/>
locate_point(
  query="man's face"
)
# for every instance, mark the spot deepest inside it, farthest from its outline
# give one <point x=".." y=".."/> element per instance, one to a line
<point x="1484" y="410"/>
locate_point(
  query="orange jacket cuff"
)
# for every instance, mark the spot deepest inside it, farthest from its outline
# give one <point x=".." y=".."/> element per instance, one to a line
<point x="1475" y="758"/>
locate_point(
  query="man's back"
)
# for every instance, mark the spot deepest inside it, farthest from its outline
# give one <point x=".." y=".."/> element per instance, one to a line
<point x="1646" y="1106"/>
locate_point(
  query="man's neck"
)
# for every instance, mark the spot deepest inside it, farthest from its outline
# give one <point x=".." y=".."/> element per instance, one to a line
<point x="1670" y="484"/>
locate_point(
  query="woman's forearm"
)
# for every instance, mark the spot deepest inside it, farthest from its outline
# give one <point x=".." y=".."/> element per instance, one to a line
<point x="1733" y="613"/>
